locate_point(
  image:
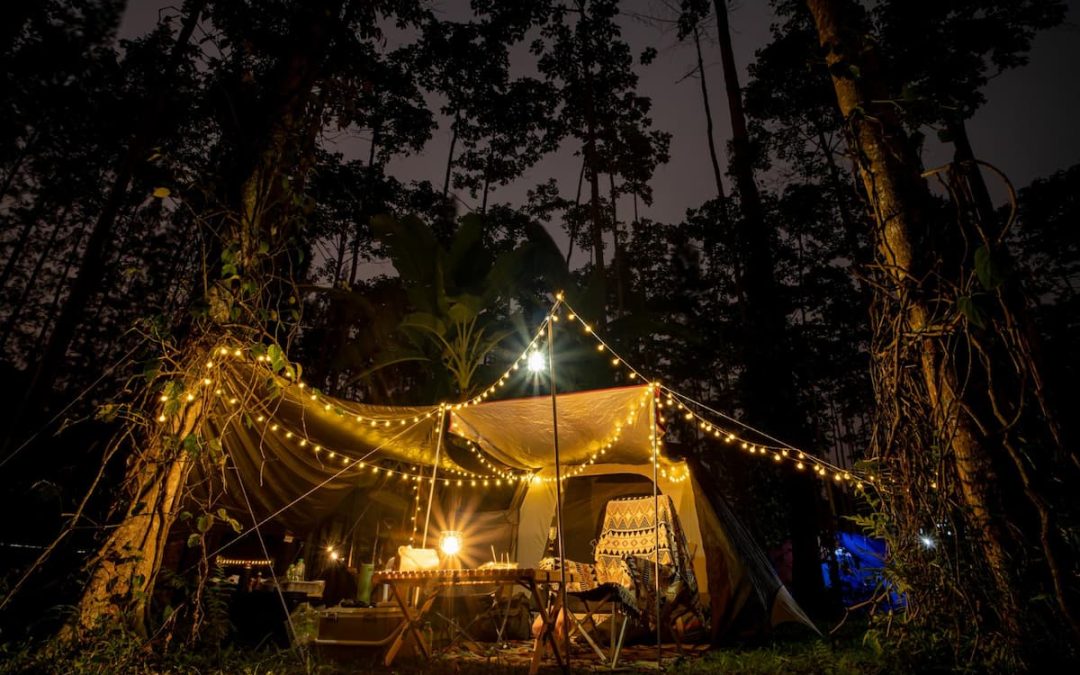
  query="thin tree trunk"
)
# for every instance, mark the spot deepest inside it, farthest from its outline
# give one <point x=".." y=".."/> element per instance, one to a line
<point x="487" y="184"/>
<point x="371" y="177"/>
<point x="17" y="249"/>
<point x="450" y="158"/>
<point x="92" y="269"/>
<point x="61" y="284"/>
<point x="339" y="263"/>
<point x="31" y="282"/>
<point x="708" y="118"/>
<point x="592" y="159"/>
<point x="836" y="183"/>
<point x="769" y="379"/>
<point x="619" y="253"/>
<point x="577" y="202"/>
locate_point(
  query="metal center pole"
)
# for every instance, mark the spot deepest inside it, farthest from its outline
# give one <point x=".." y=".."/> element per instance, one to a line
<point x="434" y="474"/>
<point x="558" y="489"/>
<point x="656" y="521"/>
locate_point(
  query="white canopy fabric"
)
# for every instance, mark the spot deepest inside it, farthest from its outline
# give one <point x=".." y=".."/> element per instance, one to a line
<point x="608" y="425"/>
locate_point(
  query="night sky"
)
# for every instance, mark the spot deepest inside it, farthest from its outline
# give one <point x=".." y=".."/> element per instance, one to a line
<point x="1028" y="128"/>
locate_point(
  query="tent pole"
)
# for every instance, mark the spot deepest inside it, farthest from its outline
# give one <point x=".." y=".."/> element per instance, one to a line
<point x="434" y="474"/>
<point x="656" y="522"/>
<point x="565" y="662"/>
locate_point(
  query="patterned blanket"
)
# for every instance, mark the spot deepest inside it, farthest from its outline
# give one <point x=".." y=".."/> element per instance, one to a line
<point x="626" y="554"/>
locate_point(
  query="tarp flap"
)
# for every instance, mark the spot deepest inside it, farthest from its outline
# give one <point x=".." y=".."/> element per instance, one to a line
<point x="274" y="464"/>
<point x="518" y="432"/>
<point x="346" y="428"/>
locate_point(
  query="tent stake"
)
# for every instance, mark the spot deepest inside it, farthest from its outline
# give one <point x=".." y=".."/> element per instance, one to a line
<point x="565" y="662"/>
<point x="434" y="474"/>
<point x="656" y="526"/>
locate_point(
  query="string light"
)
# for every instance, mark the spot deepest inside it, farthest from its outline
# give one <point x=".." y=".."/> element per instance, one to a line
<point x="530" y="357"/>
<point x="715" y="430"/>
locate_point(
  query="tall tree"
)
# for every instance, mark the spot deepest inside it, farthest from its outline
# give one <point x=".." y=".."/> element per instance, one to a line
<point x="768" y="383"/>
<point x="954" y="377"/>
<point x="583" y="52"/>
<point x="266" y="150"/>
<point x="94" y="256"/>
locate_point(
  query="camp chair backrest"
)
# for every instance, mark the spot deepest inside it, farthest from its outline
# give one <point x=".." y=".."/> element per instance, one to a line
<point x="629" y="530"/>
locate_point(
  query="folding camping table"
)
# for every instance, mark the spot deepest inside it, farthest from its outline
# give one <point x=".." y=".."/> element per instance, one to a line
<point x="433" y="583"/>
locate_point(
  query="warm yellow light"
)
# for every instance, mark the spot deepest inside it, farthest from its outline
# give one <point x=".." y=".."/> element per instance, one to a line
<point x="450" y="542"/>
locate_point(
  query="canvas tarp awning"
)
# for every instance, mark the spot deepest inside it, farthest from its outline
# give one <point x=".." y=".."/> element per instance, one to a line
<point x="519" y="432"/>
<point x="274" y="427"/>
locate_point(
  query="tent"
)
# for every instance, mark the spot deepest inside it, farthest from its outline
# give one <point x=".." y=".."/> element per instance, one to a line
<point x="296" y="459"/>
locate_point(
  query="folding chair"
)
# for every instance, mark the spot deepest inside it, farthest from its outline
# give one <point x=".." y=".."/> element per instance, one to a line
<point x="594" y="594"/>
<point x="626" y="553"/>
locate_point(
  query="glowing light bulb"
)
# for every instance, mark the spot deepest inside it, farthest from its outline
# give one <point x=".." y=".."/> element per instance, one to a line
<point x="536" y="362"/>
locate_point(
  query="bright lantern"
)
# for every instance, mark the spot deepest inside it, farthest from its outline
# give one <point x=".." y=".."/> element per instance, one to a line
<point x="450" y="542"/>
<point x="536" y="362"/>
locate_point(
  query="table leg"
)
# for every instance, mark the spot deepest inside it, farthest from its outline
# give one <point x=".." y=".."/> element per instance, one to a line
<point x="547" y="630"/>
<point x="410" y="625"/>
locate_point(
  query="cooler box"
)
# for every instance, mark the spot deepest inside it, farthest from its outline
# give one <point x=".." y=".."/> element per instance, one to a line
<point x="346" y="629"/>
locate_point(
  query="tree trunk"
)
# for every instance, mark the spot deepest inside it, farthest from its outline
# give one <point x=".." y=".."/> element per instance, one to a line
<point x="708" y="118"/>
<point x="768" y="383"/>
<point x="92" y="269"/>
<point x="31" y="282"/>
<point x="573" y="230"/>
<point x="487" y="184"/>
<point x="898" y="196"/>
<point x="123" y="572"/>
<point x="450" y="159"/>
<point x="618" y="258"/>
<point x="836" y="183"/>
<point x="592" y="159"/>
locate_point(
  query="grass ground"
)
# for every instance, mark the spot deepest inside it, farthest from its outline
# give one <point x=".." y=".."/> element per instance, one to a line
<point x="787" y="654"/>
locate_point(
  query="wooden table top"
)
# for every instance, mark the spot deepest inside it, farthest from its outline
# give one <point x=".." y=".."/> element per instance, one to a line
<point x="473" y="576"/>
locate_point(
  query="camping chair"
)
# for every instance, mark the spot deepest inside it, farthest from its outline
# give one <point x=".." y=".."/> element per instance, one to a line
<point x="626" y="553"/>
<point x="623" y="575"/>
<point x="595" y="593"/>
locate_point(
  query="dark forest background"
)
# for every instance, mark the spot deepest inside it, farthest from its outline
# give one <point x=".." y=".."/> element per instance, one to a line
<point x="124" y="163"/>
